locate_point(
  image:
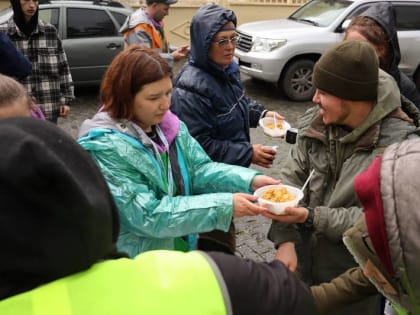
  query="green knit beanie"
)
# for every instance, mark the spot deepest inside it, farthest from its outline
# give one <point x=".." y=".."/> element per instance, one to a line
<point x="348" y="70"/>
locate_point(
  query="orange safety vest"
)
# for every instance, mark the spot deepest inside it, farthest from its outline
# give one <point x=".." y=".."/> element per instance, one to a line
<point x="157" y="41"/>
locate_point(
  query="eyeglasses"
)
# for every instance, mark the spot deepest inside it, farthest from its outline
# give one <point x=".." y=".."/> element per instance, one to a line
<point x="225" y="41"/>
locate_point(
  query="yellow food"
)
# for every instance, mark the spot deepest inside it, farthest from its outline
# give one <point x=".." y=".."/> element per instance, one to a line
<point x="278" y="195"/>
<point x="270" y="125"/>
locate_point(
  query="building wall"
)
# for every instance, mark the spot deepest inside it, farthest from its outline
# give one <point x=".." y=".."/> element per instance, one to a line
<point x="4" y="4"/>
<point x="177" y="23"/>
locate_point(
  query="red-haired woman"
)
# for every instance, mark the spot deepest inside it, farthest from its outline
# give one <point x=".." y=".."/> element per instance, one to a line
<point x="165" y="185"/>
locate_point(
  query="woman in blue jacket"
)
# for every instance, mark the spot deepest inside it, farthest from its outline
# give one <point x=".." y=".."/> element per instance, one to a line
<point x="209" y="97"/>
<point x="163" y="182"/>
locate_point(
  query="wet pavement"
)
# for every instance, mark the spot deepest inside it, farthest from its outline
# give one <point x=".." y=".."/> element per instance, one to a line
<point x="251" y="231"/>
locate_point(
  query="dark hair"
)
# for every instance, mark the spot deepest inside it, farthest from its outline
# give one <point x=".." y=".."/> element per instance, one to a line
<point x="375" y="34"/>
<point x="130" y="70"/>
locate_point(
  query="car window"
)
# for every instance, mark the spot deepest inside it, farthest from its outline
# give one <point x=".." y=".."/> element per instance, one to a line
<point x="89" y="23"/>
<point x="50" y="16"/>
<point x="320" y="12"/>
<point x="5" y="14"/>
<point x="407" y="17"/>
<point x="119" y="17"/>
<point x="358" y="11"/>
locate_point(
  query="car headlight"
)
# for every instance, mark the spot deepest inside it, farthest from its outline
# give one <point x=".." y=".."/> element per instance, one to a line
<point x="267" y="45"/>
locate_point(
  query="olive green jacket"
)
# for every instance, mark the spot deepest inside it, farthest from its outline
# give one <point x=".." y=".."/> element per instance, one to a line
<point x="349" y="287"/>
<point x="399" y="185"/>
<point x="337" y="156"/>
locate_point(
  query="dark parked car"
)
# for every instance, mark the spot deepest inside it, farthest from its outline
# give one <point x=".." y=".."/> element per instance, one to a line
<point x="89" y="31"/>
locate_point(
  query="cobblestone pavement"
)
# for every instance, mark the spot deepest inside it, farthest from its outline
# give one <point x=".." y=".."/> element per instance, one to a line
<point x="251" y="231"/>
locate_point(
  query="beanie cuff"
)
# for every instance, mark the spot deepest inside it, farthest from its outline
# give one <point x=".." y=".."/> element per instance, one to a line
<point x="344" y="88"/>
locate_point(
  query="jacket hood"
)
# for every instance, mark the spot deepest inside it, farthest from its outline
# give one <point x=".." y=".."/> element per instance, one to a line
<point x="393" y="219"/>
<point x="138" y="17"/>
<point x="169" y="126"/>
<point x="18" y="17"/>
<point x="58" y="215"/>
<point x="208" y="20"/>
<point x="384" y="14"/>
<point x="388" y="100"/>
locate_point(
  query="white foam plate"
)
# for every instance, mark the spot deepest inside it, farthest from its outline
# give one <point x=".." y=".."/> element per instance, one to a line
<point x="275" y="132"/>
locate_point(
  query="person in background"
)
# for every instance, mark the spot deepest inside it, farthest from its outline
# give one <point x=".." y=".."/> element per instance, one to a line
<point x="146" y="27"/>
<point x="377" y="26"/>
<point x="385" y="241"/>
<point x="209" y="97"/>
<point x="165" y="185"/>
<point x="15" y="65"/>
<point x="14" y="100"/>
<point x="50" y="82"/>
<point x="12" y="62"/>
<point x="358" y="114"/>
<point x="63" y="258"/>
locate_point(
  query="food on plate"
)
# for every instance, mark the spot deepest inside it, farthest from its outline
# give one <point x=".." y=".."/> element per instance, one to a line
<point x="270" y="124"/>
<point x="278" y="195"/>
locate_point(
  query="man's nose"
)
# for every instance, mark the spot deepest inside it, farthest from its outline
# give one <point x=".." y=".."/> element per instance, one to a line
<point x="315" y="98"/>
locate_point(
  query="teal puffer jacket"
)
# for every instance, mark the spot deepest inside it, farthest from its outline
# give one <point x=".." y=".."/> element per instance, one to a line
<point x="150" y="217"/>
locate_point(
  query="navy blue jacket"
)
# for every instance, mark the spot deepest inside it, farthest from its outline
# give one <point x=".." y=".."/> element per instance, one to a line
<point x="211" y="100"/>
<point x="12" y="62"/>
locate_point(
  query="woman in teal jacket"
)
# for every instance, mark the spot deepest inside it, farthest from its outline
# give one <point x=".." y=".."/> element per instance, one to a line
<point x="63" y="260"/>
<point x="164" y="184"/>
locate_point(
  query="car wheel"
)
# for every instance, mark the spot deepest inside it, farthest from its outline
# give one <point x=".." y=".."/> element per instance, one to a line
<point x="296" y="80"/>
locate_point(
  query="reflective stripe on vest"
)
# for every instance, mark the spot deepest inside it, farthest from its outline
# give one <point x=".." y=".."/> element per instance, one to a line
<point x="155" y="283"/>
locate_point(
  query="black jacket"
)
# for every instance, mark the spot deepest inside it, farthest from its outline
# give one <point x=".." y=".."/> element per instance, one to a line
<point x="263" y="288"/>
<point x="384" y="14"/>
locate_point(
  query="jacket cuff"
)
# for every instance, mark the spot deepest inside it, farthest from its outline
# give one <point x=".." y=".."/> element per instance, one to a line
<point x="320" y="219"/>
<point x="280" y="233"/>
<point x="264" y="112"/>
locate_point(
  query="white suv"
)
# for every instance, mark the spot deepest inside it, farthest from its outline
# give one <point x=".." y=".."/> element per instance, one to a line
<point x="284" y="51"/>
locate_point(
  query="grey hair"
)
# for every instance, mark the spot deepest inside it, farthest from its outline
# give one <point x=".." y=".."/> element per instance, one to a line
<point x="11" y="91"/>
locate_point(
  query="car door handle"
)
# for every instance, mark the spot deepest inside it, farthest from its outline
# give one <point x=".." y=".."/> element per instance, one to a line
<point x="113" y="46"/>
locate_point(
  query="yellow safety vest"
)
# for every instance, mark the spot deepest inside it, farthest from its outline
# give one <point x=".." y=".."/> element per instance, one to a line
<point x="154" y="283"/>
<point x="398" y="310"/>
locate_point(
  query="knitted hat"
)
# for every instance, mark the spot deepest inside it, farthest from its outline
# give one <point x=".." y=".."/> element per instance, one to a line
<point x="58" y="216"/>
<point x="349" y="71"/>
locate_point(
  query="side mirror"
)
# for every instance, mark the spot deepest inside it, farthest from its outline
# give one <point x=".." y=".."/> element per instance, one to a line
<point x="345" y="24"/>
